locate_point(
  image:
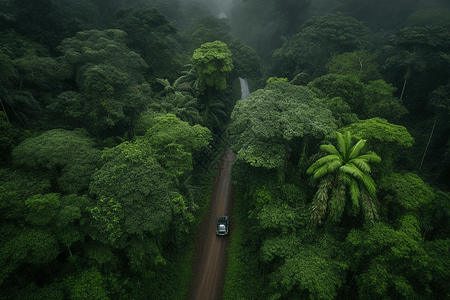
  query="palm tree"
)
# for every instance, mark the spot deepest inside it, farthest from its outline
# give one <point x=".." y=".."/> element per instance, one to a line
<point x="186" y="83"/>
<point x="185" y="107"/>
<point x="213" y="113"/>
<point x="343" y="174"/>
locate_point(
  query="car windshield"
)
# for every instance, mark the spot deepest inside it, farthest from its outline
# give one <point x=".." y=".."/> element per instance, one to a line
<point x="221" y="227"/>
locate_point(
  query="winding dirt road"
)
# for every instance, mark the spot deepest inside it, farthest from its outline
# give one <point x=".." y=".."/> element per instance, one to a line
<point x="210" y="262"/>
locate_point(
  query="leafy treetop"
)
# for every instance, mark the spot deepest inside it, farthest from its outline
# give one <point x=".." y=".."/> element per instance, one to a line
<point x="269" y="118"/>
<point x="213" y="62"/>
<point x="358" y="63"/>
<point x="309" y="50"/>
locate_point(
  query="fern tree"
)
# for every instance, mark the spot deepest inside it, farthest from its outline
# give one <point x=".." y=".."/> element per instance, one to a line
<point x="344" y="175"/>
<point x="213" y="114"/>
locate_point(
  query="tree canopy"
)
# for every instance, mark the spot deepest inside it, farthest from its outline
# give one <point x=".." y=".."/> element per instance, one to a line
<point x="213" y="62"/>
<point x="69" y="156"/>
<point x="309" y="50"/>
<point x="264" y="123"/>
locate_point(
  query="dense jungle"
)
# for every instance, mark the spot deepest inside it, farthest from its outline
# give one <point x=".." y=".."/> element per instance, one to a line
<point x="114" y="115"/>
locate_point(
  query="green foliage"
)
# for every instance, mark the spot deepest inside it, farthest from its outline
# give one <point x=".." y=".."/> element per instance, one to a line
<point x="32" y="19"/>
<point x="32" y="246"/>
<point x="422" y="18"/>
<point x="89" y="284"/>
<point x="108" y="215"/>
<point x="438" y="100"/>
<point x="144" y="255"/>
<point x="301" y="79"/>
<point x="42" y="73"/>
<point x="16" y="45"/>
<point x="7" y="137"/>
<point x="246" y="61"/>
<point x="341" y="31"/>
<point x="150" y="34"/>
<point x="71" y="219"/>
<point x="133" y="195"/>
<point x="245" y="277"/>
<point x="213" y="113"/>
<point x="15" y="103"/>
<point x="266" y="24"/>
<point x="109" y="77"/>
<point x="174" y="142"/>
<point x="439" y="264"/>
<point x="416" y="53"/>
<point x="358" y="63"/>
<point x="435" y="38"/>
<point x="374" y="99"/>
<point x="69" y="155"/>
<point x="42" y="208"/>
<point x="276" y="79"/>
<point x="177" y="99"/>
<point x="183" y="105"/>
<point x="213" y="62"/>
<point x="16" y="187"/>
<point x="93" y="47"/>
<point x="7" y="72"/>
<point x="382" y="131"/>
<point x="405" y="194"/>
<point x="207" y="30"/>
<point x="309" y="50"/>
<point x="144" y="122"/>
<point x="282" y="218"/>
<point x="49" y="291"/>
<point x="264" y="123"/>
<point x="344" y="167"/>
<point x="312" y="269"/>
<point x="390" y="141"/>
<point x="390" y="263"/>
<point x="137" y="183"/>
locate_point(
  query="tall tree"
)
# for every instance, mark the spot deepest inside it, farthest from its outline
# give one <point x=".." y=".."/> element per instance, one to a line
<point x="69" y="157"/>
<point x="343" y="173"/>
<point x="271" y="121"/>
<point x="109" y="76"/>
<point x="213" y="62"/>
<point x="213" y="113"/>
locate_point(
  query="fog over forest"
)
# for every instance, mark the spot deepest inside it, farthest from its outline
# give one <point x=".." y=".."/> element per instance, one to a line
<point x="321" y="128"/>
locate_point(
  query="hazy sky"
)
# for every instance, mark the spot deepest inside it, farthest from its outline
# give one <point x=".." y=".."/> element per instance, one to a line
<point x="223" y="5"/>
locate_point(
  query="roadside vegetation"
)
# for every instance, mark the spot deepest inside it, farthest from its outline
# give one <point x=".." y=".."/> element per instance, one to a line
<point x="113" y="118"/>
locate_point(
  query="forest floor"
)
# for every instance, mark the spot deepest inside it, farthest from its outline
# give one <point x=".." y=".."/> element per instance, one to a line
<point x="210" y="261"/>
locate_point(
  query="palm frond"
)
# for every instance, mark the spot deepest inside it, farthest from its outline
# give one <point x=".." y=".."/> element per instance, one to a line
<point x="216" y="105"/>
<point x="370" y="157"/>
<point x="320" y="172"/>
<point x="347" y="140"/>
<point x="345" y="178"/>
<point x="180" y="80"/>
<point x="354" y="151"/>
<point x="330" y="149"/>
<point x="333" y="165"/>
<point x="352" y="170"/>
<point x="163" y="82"/>
<point x="370" y="185"/>
<point x="341" y="144"/>
<point x="361" y="164"/>
<point x="320" y="162"/>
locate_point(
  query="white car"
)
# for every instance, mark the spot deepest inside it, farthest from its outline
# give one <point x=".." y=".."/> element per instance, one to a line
<point x="222" y="225"/>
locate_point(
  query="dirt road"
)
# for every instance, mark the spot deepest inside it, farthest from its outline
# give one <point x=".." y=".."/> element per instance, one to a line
<point x="210" y="261"/>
